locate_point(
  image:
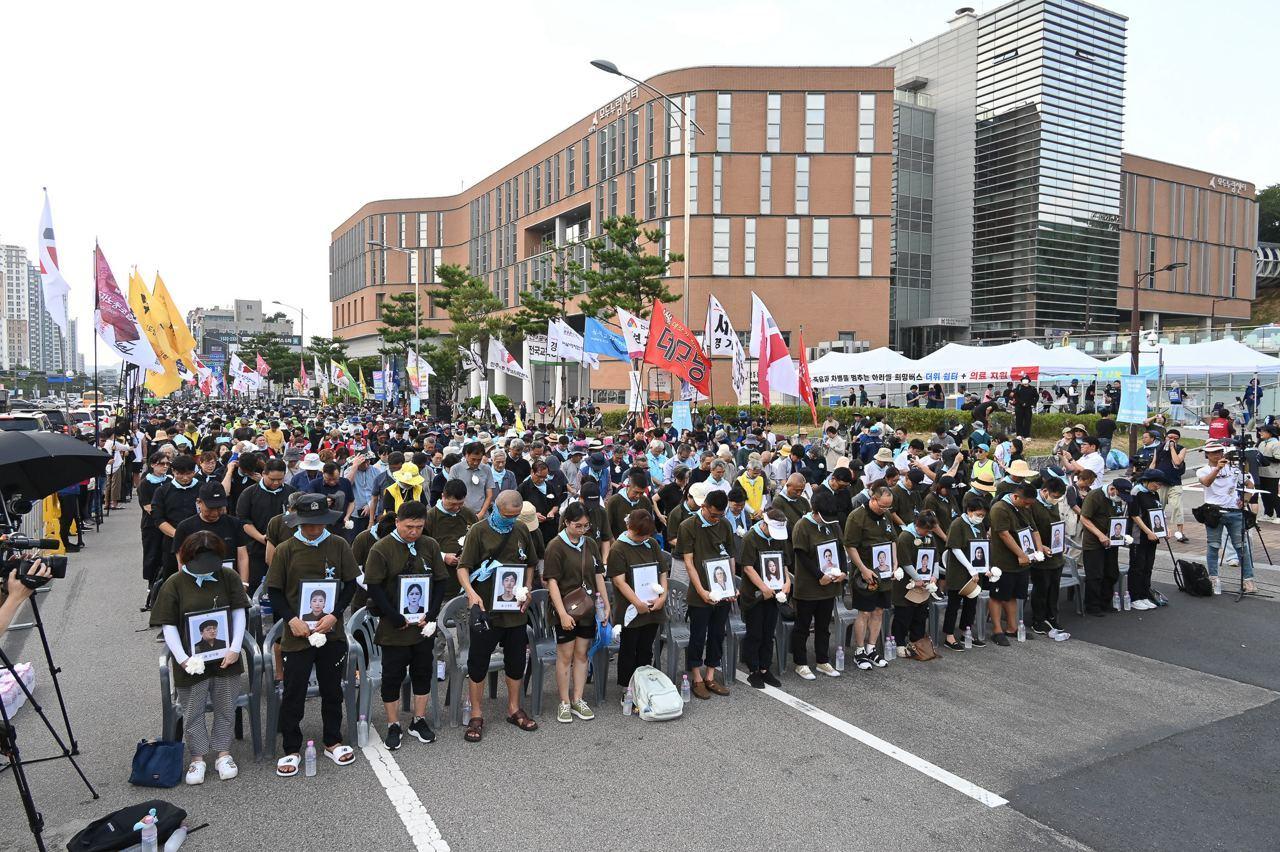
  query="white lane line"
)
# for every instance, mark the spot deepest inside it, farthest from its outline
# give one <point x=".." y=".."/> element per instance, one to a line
<point x="421" y="827"/>
<point x="919" y="764"/>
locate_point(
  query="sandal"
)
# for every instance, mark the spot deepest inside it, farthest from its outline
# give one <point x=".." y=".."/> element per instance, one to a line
<point x="341" y="754"/>
<point x="475" y="730"/>
<point x="522" y="721"/>
<point x="288" y="765"/>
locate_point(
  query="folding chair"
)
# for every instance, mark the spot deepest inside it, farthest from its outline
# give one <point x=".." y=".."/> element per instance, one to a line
<point x="275" y="692"/>
<point x="1072" y="582"/>
<point x="675" y="634"/>
<point x="841" y="622"/>
<point x="735" y="633"/>
<point x="363" y="626"/>
<point x="250" y="697"/>
<point x="454" y="621"/>
<point x="542" y="645"/>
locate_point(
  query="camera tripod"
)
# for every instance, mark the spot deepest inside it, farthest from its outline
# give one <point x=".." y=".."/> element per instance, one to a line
<point x="9" y="735"/>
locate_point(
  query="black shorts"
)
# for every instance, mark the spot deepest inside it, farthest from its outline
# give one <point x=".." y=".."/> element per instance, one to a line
<point x="581" y="630"/>
<point x="514" y="641"/>
<point x="417" y="659"/>
<point x="869" y="601"/>
<point x="1011" y="586"/>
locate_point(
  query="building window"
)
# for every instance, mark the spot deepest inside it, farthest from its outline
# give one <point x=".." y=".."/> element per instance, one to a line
<point x="802" y="184"/>
<point x="631" y="193"/>
<point x="861" y="186"/>
<point x="611" y="155"/>
<point x="864" y="246"/>
<point x="766" y="184"/>
<point x="422" y="229"/>
<point x="648" y="131"/>
<point x="693" y="184"/>
<point x="724" y="120"/>
<point x="546" y="165"/>
<point x="555" y="177"/>
<point x="673" y="131"/>
<point x="815" y="122"/>
<point x="650" y="191"/>
<point x="602" y="153"/>
<point x="413" y="268"/>
<point x="793" y="247"/>
<point x="666" y="188"/>
<point x="613" y="198"/>
<point x="691" y="107"/>
<point x="402" y="230"/>
<point x="821" y="244"/>
<point x="586" y="162"/>
<point x="633" y="141"/>
<point x="866" y="122"/>
<point x="440" y="228"/>
<point x="749" y="247"/>
<point x="570" y="169"/>
<point x="773" y="122"/>
<point x="435" y="264"/>
<point x="717" y="172"/>
<point x="720" y="247"/>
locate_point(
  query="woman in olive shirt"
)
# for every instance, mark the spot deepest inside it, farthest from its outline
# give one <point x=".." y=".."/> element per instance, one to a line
<point x="573" y="562"/>
<point x="597" y="520"/>
<point x="966" y="529"/>
<point x="640" y="611"/>
<point x="816" y="592"/>
<point x="763" y="547"/>
<point x="910" y="619"/>
<point x="200" y="585"/>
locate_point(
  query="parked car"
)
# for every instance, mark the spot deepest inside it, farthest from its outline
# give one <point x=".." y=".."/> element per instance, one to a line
<point x="26" y="421"/>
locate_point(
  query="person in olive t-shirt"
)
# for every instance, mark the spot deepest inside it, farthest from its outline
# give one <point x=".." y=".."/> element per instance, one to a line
<point x="1010" y="518"/>
<point x="633" y="497"/>
<point x="1046" y="576"/>
<point x="790" y="500"/>
<point x="868" y="527"/>
<point x="919" y="564"/>
<point x="636" y="565"/>
<point x="496" y="542"/>
<point x="405" y="550"/>
<point x="705" y="541"/>
<point x="600" y="529"/>
<point x="1101" y="559"/>
<point x="763" y="562"/>
<point x="203" y="585"/>
<point x="814" y="541"/>
<point x="971" y="526"/>
<point x="572" y="562"/>
<point x="211" y="516"/>
<point x="447" y="522"/>
<point x="313" y="555"/>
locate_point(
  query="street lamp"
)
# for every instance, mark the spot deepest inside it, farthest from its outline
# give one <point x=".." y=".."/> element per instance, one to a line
<point x="302" y="332"/>
<point x="609" y="68"/>
<point x="1213" y="311"/>
<point x="1135" y="327"/>
<point x="417" y="321"/>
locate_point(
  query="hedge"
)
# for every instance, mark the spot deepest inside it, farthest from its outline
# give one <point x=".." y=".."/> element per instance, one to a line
<point x="503" y="402"/>
<point x="915" y="420"/>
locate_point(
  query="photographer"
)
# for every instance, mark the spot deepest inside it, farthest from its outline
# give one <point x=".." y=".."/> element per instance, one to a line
<point x="1269" y="469"/>
<point x="13" y="592"/>
<point x="1170" y="462"/>
<point x="1222" y="480"/>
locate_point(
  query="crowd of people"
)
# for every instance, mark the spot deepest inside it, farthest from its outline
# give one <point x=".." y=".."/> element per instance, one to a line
<point x="319" y="513"/>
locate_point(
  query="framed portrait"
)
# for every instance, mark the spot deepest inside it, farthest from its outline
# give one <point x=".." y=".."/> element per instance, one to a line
<point x="1058" y="537"/>
<point x="829" y="558"/>
<point x="720" y="576"/>
<point x="1026" y="541"/>
<point x="1155" y="520"/>
<point x="415" y="597"/>
<point x="209" y="633"/>
<point x="772" y="569"/>
<point x="643" y="579"/>
<point x="926" y="562"/>
<point x="506" y="579"/>
<point x="317" y="599"/>
<point x="882" y="560"/>
<point x="1116" y="532"/>
<point x="979" y="556"/>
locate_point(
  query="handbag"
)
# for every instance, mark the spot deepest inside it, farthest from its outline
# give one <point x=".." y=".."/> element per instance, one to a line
<point x="924" y="649"/>
<point x="157" y="763"/>
<point x="577" y="602"/>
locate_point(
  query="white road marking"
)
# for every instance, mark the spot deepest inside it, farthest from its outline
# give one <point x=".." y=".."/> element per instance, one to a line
<point x="421" y="827"/>
<point x="904" y="757"/>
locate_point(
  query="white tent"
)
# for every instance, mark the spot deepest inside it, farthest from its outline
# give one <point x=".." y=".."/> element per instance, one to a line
<point x="1210" y="357"/>
<point x="1006" y="362"/>
<point x="842" y="369"/>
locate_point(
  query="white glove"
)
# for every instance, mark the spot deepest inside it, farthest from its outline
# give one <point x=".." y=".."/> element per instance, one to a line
<point x="740" y="532"/>
<point x="898" y="573"/>
<point x="317" y="640"/>
<point x="995" y="573"/>
<point x="194" y="666"/>
<point x="911" y="584"/>
<point x="1038" y="556"/>
<point x="656" y="588"/>
<point x="932" y="587"/>
<point x="522" y="594"/>
<point x="1128" y="539"/>
<point x="780" y="597"/>
<point x="429" y="630"/>
<point x="348" y="524"/>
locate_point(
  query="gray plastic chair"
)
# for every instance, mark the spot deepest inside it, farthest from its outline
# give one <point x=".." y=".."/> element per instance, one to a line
<point x="454" y="622"/>
<point x="675" y="633"/>
<point x="842" y="620"/>
<point x="735" y="634"/>
<point x="250" y="697"/>
<point x="542" y="645"/>
<point x="274" y="692"/>
<point x="362" y="628"/>
<point x="1072" y="579"/>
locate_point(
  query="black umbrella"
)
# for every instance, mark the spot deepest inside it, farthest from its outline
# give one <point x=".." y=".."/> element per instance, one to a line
<point x="36" y="464"/>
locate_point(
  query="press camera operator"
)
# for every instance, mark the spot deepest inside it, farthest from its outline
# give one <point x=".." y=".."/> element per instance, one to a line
<point x="13" y="591"/>
<point x="1269" y="469"/>
<point x="1224" y="505"/>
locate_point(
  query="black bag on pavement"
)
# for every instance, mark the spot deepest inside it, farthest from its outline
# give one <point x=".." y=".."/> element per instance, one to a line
<point x="115" y="830"/>
<point x="1192" y="578"/>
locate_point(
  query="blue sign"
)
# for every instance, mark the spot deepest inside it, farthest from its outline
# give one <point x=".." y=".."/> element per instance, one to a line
<point x="1133" y="399"/>
<point x="379" y="386"/>
<point x="681" y="418"/>
<point x="53" y="380"/>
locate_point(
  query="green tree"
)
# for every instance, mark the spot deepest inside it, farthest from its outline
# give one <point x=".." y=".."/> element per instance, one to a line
<point x="273" y="349"/>
<point x="628" y="271"/>
<point x="397" y="330"/>
<point x="474" y="316"/>
<point x="327" y="349"/>
<point x="1269" y="214"/>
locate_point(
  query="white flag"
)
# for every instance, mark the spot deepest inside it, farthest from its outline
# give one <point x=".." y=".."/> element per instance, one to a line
<point x="55" y="287"/>
<point x="718" y="337"/>
<point x="741" y="375"/>
<point x="502" y="360"/>
<point x="781" y="371"/>
<point x="321" y="377"/>
<point x="497" y="415"/>
<point x="563" y="343"/>
<point x="635" y="331"/>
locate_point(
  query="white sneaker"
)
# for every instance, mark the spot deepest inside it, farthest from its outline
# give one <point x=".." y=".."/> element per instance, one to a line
<point x="1059" y="635"/>
<point x="226" y="767"/>
<point x="827" y="669"/>
<point x="1178" y="536"/>
<point x="1234" y="561"/>
<point x="806" y="673"/>
<point x="195" y="772"/>
<point x="1217" y="585"/>
<point x="1140" y="605"/>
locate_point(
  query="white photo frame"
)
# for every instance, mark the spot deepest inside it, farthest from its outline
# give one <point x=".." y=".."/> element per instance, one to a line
<point x="979" y="556"/>
<point x="828" y="553"/>
<point x="1115" y="531"/>
<point x="926" y="563"/>
<point x="773" y="569"/>
<point x="643" y="579"/>
<point x="719" y="578"/>
<point x="209" y="633"/>
<point x="882" y="560"/>
<point x="506" y="579"/>
<point x="415" y="597"/>
<point x="1158" y="523"/>
<point x="316" y="599"/>
<point x="1058" y="537"/>
<point x="1026" y="541"/>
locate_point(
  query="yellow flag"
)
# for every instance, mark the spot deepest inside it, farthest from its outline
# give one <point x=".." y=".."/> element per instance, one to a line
<point x="149" y="316"/>
<point x="364" y="390"/>
<point x="518" y="424"/>
<point x="180" y="338"/>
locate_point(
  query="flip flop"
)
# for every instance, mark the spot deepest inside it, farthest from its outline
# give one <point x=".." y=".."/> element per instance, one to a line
<point x="341" y="754"/>
<point x="287" y="766"/>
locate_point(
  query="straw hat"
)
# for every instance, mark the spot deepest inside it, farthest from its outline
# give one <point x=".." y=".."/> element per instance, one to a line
<point x="971" y="589"/>
<point x="1019" y="467"/>
<point x="917" y="594"/>
<point x="884" y="455"/>
<point x="983" y="483"/>
<point x="407" y="475"/>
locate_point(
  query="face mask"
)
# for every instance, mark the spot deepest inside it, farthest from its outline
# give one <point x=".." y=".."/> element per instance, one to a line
<point x="975" y="519"/>
<point x="500" y="523"/>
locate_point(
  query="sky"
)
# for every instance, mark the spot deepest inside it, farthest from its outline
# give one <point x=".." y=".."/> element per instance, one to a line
<point x="222" y="143"/>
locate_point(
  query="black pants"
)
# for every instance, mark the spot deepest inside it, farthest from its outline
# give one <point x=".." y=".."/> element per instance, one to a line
<point x="329" y="662"/>
<point x="1045" y="583"/>
<point x="1101" y="571"/>
<point x="706" y="630"/>
<point x="635" y="649"/>
<point x="418" y="659"/>
<point x="1270" y="503"/>
<point x="153" y="544"/>
<point x="757" y="645"/>
<point x="68" y="511"/>
<point x="958" y="605"/>
<point x="910" y="622"/>
<point x="1142" y="558"/>
<point x="514" y="642"/>
<point x="1022" y="421"/>
<point x="819" y="612"/>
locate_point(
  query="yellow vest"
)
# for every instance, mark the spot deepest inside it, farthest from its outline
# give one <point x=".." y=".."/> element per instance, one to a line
<point x="397" y="497"/>
<point x="987" y="467"/>
<point x="755" y="493"/>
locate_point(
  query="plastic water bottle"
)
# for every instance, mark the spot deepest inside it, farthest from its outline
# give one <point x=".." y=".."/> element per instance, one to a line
<point x="685" y="694"/>
<point x="628" y="702"/>
<point x="362" y="731"/>
<point x="1128" y="601"/>
<point x="175" y="841"/>
<point x="599" y="609"/>
<point x="1115" y="600"/>
<point x="840" y="658"/>
<point x="890" y="648"/>
<point x="310" y="759"/>
<point x="440" y="670"/>
<point x="968" y="638"/>
<point x="1022" y="632"/>
<point x="466" y="710"/>
<point x="150" y="833"/>
<point x="264" y="607"/>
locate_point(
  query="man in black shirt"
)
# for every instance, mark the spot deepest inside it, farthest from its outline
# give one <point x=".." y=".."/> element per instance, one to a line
<point x="173" y="502"/>
<point x="1024" y="400"/>
<point x="255" y="509"/>
<point x="211" y="515"/>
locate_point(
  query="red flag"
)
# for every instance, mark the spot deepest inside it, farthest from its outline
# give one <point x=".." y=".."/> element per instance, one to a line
<point x="672" y="347"/>
<point x="806" y="386"/>
<point x="263" y="366"/>
<point x="302" y="375"/>
<point x="762" y="368"/>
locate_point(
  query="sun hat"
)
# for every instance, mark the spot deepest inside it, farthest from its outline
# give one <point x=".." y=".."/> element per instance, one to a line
<point x="311" y="461"/>
<point x="777" y="529"/>
<point x="529" y="516"/>
<point x="971" y="589"/>
<point x="983" y="483"/>
<point x="311" y="509"/>
<point x="408" y="475"/>
<point x="699" y="491"/>
<point x="1019" y="467"/>
<point x="884" y="454"/>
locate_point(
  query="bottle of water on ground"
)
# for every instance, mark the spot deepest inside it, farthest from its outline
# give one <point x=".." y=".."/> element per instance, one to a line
<point x="1115" y="600"/>
<point x="890" y="648"/>
<point x="840" y="657"/>
<point x="310" y="759"/>
<point x="628" y="702"/>
<point x="466" y="709"/>
<point x="362" y="731"/>
<point x="968" y="638"/>
<point x="685" y="695"/>
<point x="1022" y="632"/>
<point x="150" y="832"/>
<point x="1128" y="601"/>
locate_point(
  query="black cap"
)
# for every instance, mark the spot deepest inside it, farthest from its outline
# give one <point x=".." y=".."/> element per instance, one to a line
<point x="311" y="509"/>
<point x="213" y="495"/>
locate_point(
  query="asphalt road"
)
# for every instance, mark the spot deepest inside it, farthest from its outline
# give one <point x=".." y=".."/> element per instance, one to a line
<point x="1144" y="731"/>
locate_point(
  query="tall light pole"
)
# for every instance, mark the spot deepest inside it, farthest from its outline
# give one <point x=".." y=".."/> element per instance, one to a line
<point x="1135" y="327"/>
<point x="417" y="314"/>
<point x="609" y="68"/>
<point x="302" y="332"/>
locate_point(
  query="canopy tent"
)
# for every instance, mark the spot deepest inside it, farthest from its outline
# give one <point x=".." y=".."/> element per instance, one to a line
<point x="841" y="369"/>
<point x="957" y="362"/>
<point x="1207" y="358"/>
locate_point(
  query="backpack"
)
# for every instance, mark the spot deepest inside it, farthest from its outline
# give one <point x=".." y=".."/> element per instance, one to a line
<point x="115" y="830"/>
<point x="1192" y="578"/>
<point x="655" y="696"/>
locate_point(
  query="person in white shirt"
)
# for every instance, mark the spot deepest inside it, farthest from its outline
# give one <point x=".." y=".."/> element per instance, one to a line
<point x="1091" y="459"/>
<point x="1222" y="482"/>
<point x="834" y="447"/>
<point x="874" y="471"/>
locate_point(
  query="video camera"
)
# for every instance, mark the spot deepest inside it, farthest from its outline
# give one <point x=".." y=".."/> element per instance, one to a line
<point x="11" y="548"/>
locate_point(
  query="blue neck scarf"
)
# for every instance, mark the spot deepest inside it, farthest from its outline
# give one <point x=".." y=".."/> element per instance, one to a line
<point x="976" y="529"/>
<point x="192" y="484"/>
<point x="263" y="486"/>
<point x="200" y="579"/>
<point x="624" y="496"/>
<point x="309" y="542"/>
<point x="499" y="523"/>
<point x="703" y="519"/>
<point x="155" y="480"/>
<point x="440" y="507"/>
<point x="625" y="538"/>
<point x="412" y="545"/>
<point x="564" y="536"/>
<point x="1044" y="502"/>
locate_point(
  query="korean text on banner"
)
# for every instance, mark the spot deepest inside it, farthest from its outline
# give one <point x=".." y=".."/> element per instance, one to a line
<point x="1133" y="400"/>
